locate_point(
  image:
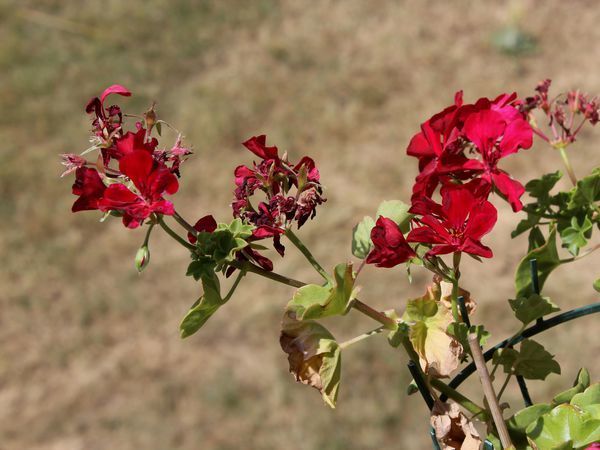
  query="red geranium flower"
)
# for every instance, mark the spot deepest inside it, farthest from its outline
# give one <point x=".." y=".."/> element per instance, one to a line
<point x="391" y="248"/>
<point x="458" y="225"/>
<point x="496" y="137"/>
<point x="151" y="179"/>
<point x="90" y="188"/>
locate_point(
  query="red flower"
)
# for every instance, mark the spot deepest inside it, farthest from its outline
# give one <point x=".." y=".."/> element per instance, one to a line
<point x="391" y="248"/>
<point x="458" y="225"/>
<point x="131" y="142"/>
<point x="436" y="145"/>
<point x="496" y="137"/>
<point x="90" y="188"/>
<point x="151" y="179"/>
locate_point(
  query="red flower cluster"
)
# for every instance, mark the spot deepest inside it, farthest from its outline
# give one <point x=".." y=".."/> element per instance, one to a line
<point x="135" y="189"/>
<point x="458" y="150"/>
<point x="291" y="192"/>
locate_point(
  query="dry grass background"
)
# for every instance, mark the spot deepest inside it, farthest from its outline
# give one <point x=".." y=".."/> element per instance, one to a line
<point x="90" y="356"/>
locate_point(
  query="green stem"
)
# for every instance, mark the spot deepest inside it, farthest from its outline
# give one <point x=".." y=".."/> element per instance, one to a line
<point x="184" y="223"/>
<point x="508" y="344"/>
<point x="249" y="267"/>
<point x="235" y="285"/>
<point x="456" y="273"/>
<point x="565" y="158"/>
<point x="174" y="235"/>
<point x="459" y="398"/>
<point x="508" y="377"/>
<point x="147" y="238"/>
<point x="361" y="337"/>
<point x="307" y="254"/>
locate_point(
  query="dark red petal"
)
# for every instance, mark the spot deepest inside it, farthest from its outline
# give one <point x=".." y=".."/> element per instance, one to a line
<point x="419" y="147"/>
<point x="205" y="224"/>
<point x="456" y="205"/>
<point x="90" y="188"/>
<point x="118" y="197"/>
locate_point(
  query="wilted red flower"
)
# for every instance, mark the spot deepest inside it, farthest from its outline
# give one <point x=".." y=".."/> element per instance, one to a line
<point x="457" y="225"/>
<point x="291" y="192"/>
<point x="205" y="224"/>
<point x="391" y="248"/>
<point x="151" y="180"/>
<point x="90" y="189"/>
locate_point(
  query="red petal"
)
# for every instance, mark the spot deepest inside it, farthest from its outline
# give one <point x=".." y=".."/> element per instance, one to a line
<point x="257" y="145"/>
<point x="137" y="165"/>
<point x="482" y="219"/>
<point x="476" y="248"/>
<point x="483" y="128"/>
<point x="518" y="134"/>
<point x="419" y="147"/>
<point x="456" y="205"/>
<point x="114" y="89"/>
<point x="204" y="224"/>
<point x="510" y="188"/>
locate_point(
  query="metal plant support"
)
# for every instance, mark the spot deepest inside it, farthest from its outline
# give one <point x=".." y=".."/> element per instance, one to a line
<point x="540" y="326"/>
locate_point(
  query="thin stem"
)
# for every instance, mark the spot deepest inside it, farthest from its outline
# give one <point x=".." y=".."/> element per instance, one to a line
<point x="249" y="267"/>
<point x="386" y="321"/>
<point x="463" y="401"/>
<point x="147" y="238"/>
<point x="565" y="158"/>
<point x="307" y="254"/>
<point x="488" y="390"/>
<point x="509" y="342"/>
<point x="583" y="254"/>
<point x="361" y="337"/>
<point x="235" y="285"/>
<point x="174" y="235"/>
<point x="185" y="224"/>
<point x="508" y="377"/>
<point x="456" y="273"/>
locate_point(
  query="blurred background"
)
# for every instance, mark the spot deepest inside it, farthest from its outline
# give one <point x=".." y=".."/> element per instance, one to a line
<point x="90" y="354"/>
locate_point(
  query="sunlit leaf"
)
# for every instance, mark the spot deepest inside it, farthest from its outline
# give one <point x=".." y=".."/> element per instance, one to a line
<point x="534" y="307"/>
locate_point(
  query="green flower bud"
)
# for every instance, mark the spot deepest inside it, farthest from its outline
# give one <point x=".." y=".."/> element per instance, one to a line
<point x="142" y="258"/>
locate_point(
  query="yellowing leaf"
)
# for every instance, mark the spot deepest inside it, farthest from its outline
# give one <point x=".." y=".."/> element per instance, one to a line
<point x="439" y="352"/>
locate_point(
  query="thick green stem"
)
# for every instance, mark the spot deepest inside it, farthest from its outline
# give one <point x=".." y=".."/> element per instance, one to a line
<point x="459" y="398"/>
<point x="307" y="254"/>
<point x="569" y="167"/>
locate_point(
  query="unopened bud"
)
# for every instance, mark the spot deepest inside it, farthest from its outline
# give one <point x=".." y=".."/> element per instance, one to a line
<point x="142" y="258"/>
<point x="150" y="117"/>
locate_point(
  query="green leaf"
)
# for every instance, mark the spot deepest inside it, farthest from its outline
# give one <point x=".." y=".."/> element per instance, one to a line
<point x="395" y="337"/>
<point x="438" y="351"/>
<point x="540" y="188"/>
<point x="518" y="423"/>
<point x="582" y="382"/>
<point x="534" y="307"/>
<point x="589" y="397"/>
<point x="575" y="236"/>
<point x="361" y="238"/>
<point x="158" y="127"/>
<point x="532" y="361"/>
<point x="461" y="332"/>
<point x="314" y="356"/>
<point x="396" y="211"/>
<point x="200" y="268"/>
<point x="313" y="301"/>
<point x="223" y="244"/>
<point x="547" y="260"/>
<point x="597" y="285"/>
<point x="587" y="191"/>
<point x="204" y="308"/>
<point x="566" y="426"/>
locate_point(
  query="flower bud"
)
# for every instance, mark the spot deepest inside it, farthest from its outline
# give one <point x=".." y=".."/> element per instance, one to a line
<point x="142" y="258"/>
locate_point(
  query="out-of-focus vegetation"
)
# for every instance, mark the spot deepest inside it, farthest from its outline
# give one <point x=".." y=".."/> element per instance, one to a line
<point x="90" y="355"/>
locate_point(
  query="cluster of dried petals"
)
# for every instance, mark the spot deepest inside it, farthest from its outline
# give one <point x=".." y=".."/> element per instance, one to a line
<point x="566" y="113"/>
<point x="290" y="192"/>
<point x="453" y="429"/>
<point x="131" y="175"/>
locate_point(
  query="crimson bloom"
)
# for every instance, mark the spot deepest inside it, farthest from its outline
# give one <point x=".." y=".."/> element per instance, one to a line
<point x="457" y="225"/>
<point x="391" y="248"/>
<point x="151" y="180"/>
<point x="90" y="189"/>
<point x="495" y="137"/>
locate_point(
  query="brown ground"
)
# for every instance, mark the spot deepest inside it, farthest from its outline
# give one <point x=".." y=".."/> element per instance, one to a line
<point x="90" y="356"/>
